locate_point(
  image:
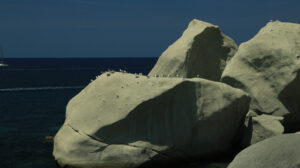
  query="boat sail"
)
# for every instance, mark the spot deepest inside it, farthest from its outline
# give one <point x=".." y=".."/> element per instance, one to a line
<point x="2" y="64"/>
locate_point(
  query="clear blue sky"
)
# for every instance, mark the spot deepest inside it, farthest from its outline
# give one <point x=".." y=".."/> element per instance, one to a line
<point x="125" y="28"/>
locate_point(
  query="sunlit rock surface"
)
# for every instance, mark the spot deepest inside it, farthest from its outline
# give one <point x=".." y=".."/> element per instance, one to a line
<point x="202" y="51"/>
<point x="268" y="68"/>
<point x="126" y="120"/>
<point x="282" y="151"/>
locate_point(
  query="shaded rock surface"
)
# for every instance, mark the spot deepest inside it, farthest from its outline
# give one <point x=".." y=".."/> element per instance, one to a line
<point x="261" y="127"/>
<point x="202" y="50"/>
<point x="125" y="120"/>
<point x="282" y="151"/>
<point x="268" y="68"/>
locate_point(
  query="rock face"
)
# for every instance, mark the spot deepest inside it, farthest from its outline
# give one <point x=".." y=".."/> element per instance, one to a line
<point x="202" y="50"/>
<point x="268" y="68"/>
<point x="282" y="151"/>
<point x="124" y="120"/>
<point x="262" y="127"/>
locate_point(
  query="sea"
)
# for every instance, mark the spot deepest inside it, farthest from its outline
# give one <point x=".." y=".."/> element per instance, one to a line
<point x="34" y="93"/>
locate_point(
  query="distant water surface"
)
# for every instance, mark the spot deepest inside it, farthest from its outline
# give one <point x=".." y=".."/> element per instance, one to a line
<point x="33" y="97"/>
<point x="22" y="73"/>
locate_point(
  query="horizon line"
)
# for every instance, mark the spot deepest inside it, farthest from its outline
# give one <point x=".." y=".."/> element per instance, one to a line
<point x="70" y="57"/>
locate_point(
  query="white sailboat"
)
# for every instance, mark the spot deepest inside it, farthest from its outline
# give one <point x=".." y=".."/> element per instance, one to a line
<point x="2" y="64"/>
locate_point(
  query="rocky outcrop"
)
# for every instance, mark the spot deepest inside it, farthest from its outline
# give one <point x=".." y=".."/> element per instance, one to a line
<point x="282" y="151"/>
<point x="202" y="51"/>
<point x="126" y="120"/>
<point x="268" y="68"/>
<point x="261" y="127"/>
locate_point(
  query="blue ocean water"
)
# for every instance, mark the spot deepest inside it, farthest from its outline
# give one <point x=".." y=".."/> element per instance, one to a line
<point x="33" y="97"/>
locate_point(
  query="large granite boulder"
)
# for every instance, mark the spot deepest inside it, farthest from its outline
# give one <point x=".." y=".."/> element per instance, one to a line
<point x="268" y="68"/>
<point x="126" y="120"/>
<point x="202" y="51"/>
<point x="282" y="151"/>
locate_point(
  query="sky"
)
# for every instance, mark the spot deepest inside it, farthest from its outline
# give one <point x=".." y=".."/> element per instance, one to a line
<point x="125" y="28"/>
